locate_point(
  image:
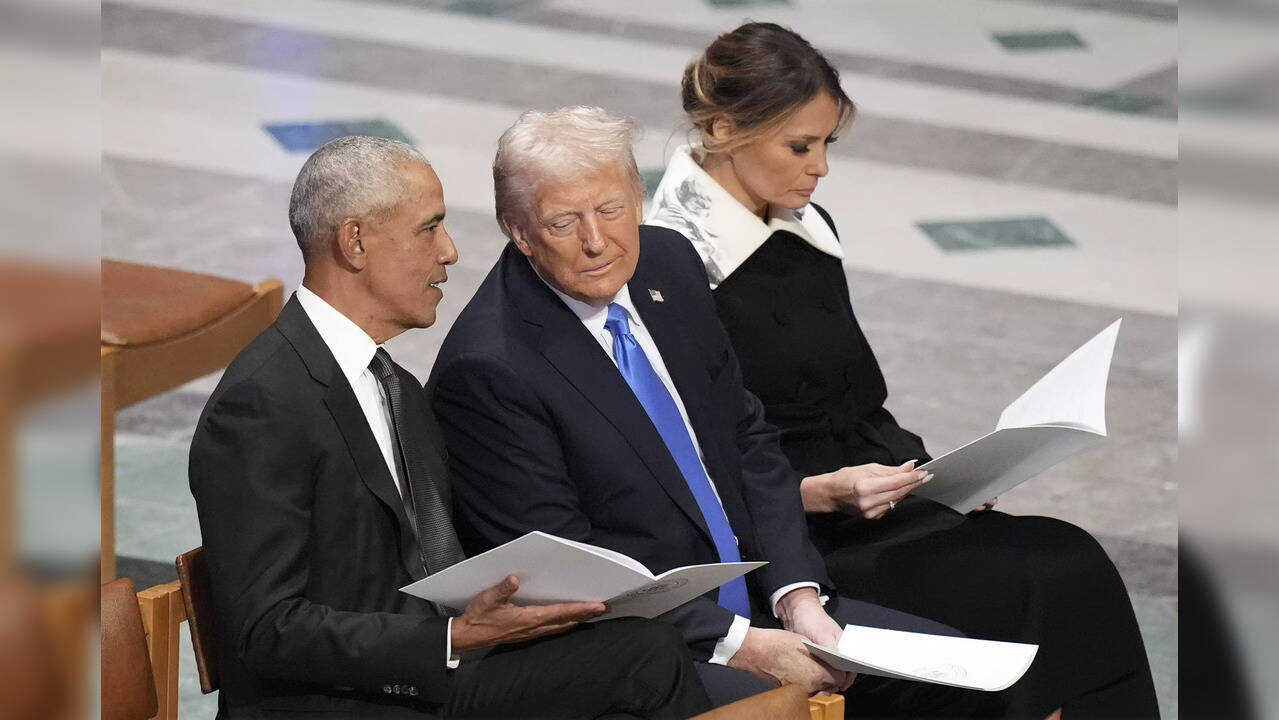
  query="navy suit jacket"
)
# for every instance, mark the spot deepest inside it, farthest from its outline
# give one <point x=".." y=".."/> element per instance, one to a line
<point x="544" y="433"/>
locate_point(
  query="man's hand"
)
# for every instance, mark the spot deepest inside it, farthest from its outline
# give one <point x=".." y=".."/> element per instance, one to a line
<point x="864" y="490"/>
<point x="802" y="613"/>
<point x="779" y="656"/>
<point x="491" y="619"/>
<point x="987" y="505"/>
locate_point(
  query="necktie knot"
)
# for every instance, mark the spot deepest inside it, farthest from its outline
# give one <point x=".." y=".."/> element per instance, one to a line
<point x="380" y="365"/>
<point x="618" y="323"/>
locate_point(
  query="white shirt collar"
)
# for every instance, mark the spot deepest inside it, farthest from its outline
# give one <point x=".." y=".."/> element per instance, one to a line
<point x="724" y="232"/>
<point x="351" y="346"/>
<point x="595" y="317"/>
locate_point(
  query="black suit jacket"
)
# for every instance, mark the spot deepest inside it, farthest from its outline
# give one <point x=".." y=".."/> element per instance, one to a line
<point x="545" y="434"/>
<point x="307" y="541"/>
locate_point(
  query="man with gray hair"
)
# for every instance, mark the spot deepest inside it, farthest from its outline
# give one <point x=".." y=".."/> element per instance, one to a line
<point x="321" y="487"/>
<point x="588" y="390"/>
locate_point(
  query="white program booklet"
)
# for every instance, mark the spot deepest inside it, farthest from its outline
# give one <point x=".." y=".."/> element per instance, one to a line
<point x="554" y="570"/>
<point x="1057" y="417"/>
<point x="987" y="665"/>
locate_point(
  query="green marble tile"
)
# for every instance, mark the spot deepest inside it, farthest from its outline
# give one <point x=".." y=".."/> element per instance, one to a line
<point x="483" y="8"/>
<point x="652" y="177"/>
<point x="1035" y="40"/>
<point x="991" y="234"/>
<point x="1122" y="102"/>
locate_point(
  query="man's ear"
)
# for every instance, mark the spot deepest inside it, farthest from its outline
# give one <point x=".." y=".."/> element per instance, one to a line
<point x="351" y="243"/>
<point x="517" y="236"/>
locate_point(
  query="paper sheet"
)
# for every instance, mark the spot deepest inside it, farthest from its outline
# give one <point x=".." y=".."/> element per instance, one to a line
<point x="555" y="570"/>
<point x="960" y="662"/>
<point x="1071" y="394"/>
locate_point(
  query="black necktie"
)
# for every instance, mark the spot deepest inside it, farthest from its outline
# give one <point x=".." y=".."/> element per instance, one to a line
<point x="437" y="540"/>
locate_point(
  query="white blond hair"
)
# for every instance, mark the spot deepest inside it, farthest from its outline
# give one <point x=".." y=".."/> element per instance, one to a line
<point x="557" y="145"/>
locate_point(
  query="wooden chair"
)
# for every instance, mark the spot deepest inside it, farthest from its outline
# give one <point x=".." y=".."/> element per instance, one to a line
<point x="140" y="651"/>
<point x="162" y="328"/>
<point x="788" y="702"/>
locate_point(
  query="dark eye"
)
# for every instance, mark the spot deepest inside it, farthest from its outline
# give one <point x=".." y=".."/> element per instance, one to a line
<point x="799" y="149"/>
<point x="832" y="140"/>
<point x="611" y="212"/>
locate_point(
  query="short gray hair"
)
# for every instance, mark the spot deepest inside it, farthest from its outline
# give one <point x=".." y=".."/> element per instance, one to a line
<point x="557" y="145"/>
<point x="352" y="176"/>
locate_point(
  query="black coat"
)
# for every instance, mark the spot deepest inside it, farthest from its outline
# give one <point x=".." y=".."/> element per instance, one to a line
<point x="307" y="542"/>
<point x="545" y="434"/>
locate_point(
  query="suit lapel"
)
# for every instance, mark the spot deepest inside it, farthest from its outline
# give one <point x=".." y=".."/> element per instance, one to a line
<point x="352" y="424"/>
<point x="569" y="347"/>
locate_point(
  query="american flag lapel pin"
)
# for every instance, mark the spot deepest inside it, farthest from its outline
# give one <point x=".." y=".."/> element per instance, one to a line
<point x="656" y="295"/>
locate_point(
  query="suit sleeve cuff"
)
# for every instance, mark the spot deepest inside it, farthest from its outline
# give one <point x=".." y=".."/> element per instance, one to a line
<point x="451" y="661"/>
<point x="728" y="645"/>
<point x="781" y="592"/>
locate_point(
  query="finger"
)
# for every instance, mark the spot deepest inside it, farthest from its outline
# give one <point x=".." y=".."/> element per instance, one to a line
<point x="500" y="593"/>
<point x="566" y="612"/>
<point x="540" y="630"/>
<point x="896" y="481"/>
<point x="874" y="500"/>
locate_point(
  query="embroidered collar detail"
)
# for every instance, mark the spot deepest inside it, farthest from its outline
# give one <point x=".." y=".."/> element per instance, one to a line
<point x="723" y="231"/>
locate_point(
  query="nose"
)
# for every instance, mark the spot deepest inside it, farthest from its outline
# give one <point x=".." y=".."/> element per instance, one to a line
<point x="593" y="241"/>
<point x="448" y="254"/>
<point x="819" y="166"/>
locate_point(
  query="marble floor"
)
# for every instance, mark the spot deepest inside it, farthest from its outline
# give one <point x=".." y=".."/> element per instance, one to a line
<point x="1008" y="189"/>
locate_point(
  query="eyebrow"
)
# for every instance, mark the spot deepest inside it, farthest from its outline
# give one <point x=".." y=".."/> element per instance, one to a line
<point x="808" y="138"/>
<point x="432" y="221"/>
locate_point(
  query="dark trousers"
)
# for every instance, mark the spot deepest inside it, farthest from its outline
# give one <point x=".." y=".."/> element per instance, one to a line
<point x="627" y="667"/>
<point x="869" y="696"/>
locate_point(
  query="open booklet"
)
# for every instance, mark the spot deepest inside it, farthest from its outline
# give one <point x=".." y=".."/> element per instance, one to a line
<point x="1057" y="417"/>
<point x="987" y="665"/>
<point x="554" y="570"/>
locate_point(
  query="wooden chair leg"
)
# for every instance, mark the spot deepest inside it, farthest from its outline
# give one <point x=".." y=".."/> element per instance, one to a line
<point x="826" y="707"/>
<point x="107" y="488"/>
<point x="162" y="615"/>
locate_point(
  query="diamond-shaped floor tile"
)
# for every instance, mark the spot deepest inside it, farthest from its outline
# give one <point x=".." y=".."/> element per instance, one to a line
<point x="746" y="3"/>
<point x="1033" y="40"/>
<point x="305" y="137"/>
<point x="483" y="8"/>
<point x="652" y="177"/>
<point x="993" y="234"/>
<point x="1122" y="102"/>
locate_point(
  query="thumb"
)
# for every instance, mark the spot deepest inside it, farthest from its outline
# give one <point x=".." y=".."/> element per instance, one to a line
<point x="908" y="465"/>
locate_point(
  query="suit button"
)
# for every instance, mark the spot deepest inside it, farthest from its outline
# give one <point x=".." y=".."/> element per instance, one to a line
<point x="386" y="689"/>
<point x="413" y="691"/>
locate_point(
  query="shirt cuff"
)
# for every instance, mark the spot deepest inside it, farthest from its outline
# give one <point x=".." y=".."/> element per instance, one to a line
<point x="728" y="645"/>
<point x="775" y="597"/>
<point x="451" y="661"/>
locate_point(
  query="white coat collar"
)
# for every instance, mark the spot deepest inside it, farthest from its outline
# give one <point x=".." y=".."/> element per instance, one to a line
<point x="723" y="231"/>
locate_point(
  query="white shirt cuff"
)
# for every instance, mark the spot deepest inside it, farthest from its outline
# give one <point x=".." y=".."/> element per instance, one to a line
<point x="728" y="645"/>
<point x="775" y="597"/>
<point x="450" y="660"/>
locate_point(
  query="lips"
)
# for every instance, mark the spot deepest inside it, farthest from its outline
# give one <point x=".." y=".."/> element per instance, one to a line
<point x="600" y="268"/>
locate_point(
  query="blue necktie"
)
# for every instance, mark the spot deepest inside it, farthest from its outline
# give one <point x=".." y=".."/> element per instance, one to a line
<point x="664" y="413"/>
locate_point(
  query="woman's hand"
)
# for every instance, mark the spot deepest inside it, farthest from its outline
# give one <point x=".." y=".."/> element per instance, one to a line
<point x="867" y="490"/>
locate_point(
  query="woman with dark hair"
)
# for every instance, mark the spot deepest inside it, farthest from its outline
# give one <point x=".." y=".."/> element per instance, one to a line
<point x="766" y="106"/>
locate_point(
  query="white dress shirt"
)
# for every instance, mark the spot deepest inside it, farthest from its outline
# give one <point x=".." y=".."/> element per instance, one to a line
<point x="354" y="350"/>
<point x="594" y="319"/>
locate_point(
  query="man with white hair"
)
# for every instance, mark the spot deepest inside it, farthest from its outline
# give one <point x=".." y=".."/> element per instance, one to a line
<point x="322" y="489"/>
<point x="589" y="391"/>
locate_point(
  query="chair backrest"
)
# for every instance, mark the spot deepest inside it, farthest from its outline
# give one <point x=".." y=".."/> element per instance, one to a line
<point x="128" y="685"/>
<point x="788" y="702"/>
<point x="197" y="594"/>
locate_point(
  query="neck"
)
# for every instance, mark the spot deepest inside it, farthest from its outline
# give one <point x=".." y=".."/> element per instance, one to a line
<point x="340" y="290"/>
<point x="720" y="167"/>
